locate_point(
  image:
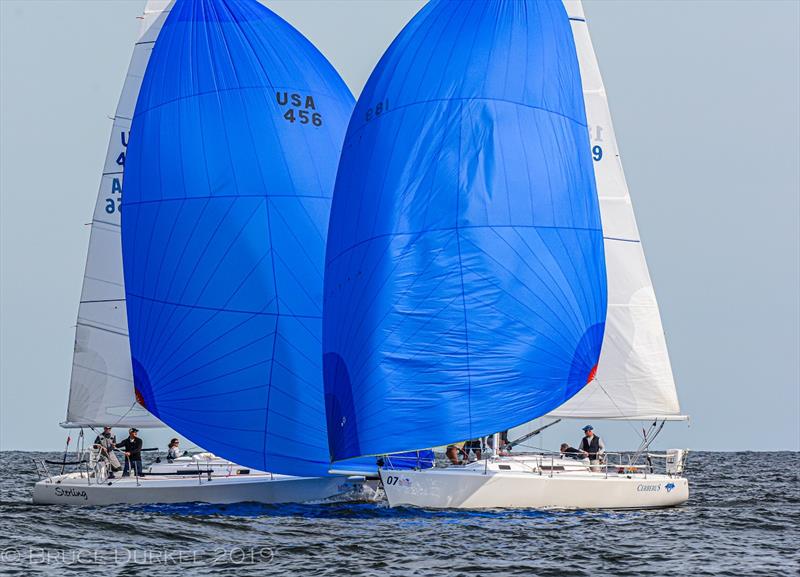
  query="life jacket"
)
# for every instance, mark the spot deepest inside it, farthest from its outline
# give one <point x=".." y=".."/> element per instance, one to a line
<point x="106" y="442"/>
<point x="591" y="447"/>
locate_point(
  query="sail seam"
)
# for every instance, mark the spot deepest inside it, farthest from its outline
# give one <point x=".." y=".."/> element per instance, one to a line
<point x="621" y="239"/>
<point x="456" y="228"/>
<point x="275" y="337"/>
<point x="211" y="196"/>
<point x="100" y="328"/>
<point x="275" y="314"/>
<point x="231" y="89"/>
<point x="461" y="267"/>
<point x="461" y="104"/>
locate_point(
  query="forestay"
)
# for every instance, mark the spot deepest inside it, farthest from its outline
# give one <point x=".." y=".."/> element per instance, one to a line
<point x="634" y="376"/>
<point x="465" y="281"/>
<point x="101" y="386"/>
<point x="230" y="171"/>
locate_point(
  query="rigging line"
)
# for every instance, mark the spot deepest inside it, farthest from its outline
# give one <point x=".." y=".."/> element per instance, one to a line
<point x="643" y="447"/>
<point x="621" y="412"/>
<point x="658" y="431"/>
<point x="644" y="439"/>
<point x="119" y="420"/>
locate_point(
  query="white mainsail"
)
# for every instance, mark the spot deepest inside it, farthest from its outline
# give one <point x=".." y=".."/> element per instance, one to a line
<point x="634" y="377"/>
<point x="101" y="386"/>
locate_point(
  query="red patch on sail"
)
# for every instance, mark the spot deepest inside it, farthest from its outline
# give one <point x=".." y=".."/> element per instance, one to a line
<point x="139" y="397"/>
<point x="592" y="374"/>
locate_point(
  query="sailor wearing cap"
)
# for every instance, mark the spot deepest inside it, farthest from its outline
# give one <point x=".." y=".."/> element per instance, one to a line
<point x="132" y="447"/>
<point x="592" y="446"/>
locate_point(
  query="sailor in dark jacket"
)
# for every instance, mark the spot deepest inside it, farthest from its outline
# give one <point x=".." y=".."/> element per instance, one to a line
<point x="592" y="446"/>
<point x="570" y="452"/>
<point x="132" y="447"/>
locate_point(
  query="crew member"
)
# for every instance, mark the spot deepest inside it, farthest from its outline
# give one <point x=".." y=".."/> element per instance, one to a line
<point x="172" y="450"/>
<point x="592" y="447"/>
<point x="504" y="443"/>
<point x="132" y="447"/>
<point x="570" y="452"/>
<point x="474" y="445"/>
<point x="104" y="443"/>
<point x="454" y="453"/>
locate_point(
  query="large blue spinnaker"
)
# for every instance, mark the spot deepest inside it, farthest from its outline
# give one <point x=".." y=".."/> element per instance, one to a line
<point x="465" y="287"/>
<point x="228" y="181"/>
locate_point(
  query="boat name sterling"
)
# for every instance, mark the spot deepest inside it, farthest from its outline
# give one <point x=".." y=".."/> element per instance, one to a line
<point x="71" y="493"/>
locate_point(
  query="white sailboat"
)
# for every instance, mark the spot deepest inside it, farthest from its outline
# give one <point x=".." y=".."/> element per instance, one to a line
<point x="102" y="385"/>
<point x="202" y="478"/>
<point x="633" y="378"/>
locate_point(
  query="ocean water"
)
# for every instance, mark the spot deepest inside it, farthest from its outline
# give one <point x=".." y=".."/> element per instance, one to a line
<point x="742" y="520"/>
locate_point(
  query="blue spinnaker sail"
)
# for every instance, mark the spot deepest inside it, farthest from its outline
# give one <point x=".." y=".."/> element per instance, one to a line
<point x="228" y="181"/>
<point x="465" y="286"/>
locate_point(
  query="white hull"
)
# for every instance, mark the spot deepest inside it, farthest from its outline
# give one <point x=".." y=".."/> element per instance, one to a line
<point x="75" y="489"/>
<point x="484" y="486"/>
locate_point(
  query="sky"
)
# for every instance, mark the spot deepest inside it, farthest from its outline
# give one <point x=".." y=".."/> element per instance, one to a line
<point x="704" y="96"/>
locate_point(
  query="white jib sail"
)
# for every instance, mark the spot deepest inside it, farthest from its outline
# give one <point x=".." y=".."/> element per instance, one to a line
<point x="101" y="387"/>
<point x="634" y="377"/>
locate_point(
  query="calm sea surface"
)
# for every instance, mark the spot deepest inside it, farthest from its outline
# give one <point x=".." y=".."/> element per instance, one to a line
<point x="742" y="520"/>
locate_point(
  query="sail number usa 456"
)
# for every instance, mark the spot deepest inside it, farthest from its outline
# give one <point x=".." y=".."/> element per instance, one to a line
<point x="299" y="108"/>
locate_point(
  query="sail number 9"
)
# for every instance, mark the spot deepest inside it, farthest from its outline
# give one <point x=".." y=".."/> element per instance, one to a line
<point x="301" y="109"/>
<point x="597" y="152"/>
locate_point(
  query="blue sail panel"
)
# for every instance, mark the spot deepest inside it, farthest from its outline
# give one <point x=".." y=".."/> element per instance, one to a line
<point x="465" y="285"/>
<point x="228" y="182"/>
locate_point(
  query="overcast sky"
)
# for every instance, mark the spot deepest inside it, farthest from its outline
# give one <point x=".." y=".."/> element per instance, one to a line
<point x="704" y="96"/>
